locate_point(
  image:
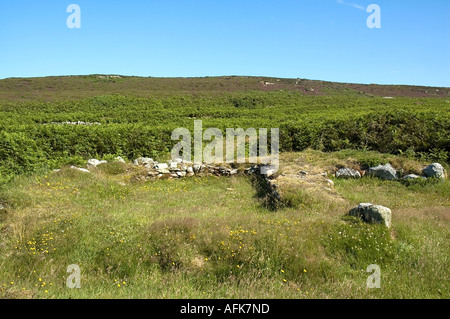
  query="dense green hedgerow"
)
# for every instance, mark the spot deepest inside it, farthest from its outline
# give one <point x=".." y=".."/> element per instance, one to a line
<point x="134" y="126"/>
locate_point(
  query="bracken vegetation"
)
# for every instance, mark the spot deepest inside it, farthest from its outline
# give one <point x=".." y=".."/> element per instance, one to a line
<point x="214" y="237"/>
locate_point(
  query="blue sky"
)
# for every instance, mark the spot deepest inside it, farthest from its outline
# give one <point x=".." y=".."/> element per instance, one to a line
<point x="315" y="39"/>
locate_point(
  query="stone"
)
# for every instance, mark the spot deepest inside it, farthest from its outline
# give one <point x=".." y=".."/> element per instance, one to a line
<point x="2" y="207"/>
<point x="95" y="162"/>
<point x="145" y="161"/>
<point x="173" y="166"/>
<point x="119" y="159"/>
<point x="233" y="171"/>
<point x="80" y="169"/>
<point x="190" y="170"/>
<point x="347" y="173"/>
<point x="330" y="183"/>
<point x="153" y="173"/>
<point x="197" y="168"/>
<point x="303" y="173"/>
<point x="412" y="176"/>
<point x="268" y="170"/>
<point x="383" y="171"/>
<point x="434" y="170"/>
<point x="162" y="166"/>
<point x="373" y="214"/>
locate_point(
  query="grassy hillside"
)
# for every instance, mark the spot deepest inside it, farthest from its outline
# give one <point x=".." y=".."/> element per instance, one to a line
<point x="213" y="238"/>
<point x="137" y="116"/>
<point x="76" y="87"/>
<point x="216" y="237"/>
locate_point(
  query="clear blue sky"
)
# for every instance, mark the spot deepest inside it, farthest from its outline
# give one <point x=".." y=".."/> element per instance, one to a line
<point x="314" y="39"/>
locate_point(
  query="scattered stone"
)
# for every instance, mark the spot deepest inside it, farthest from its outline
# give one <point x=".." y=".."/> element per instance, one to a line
<point x="95" y="162"/>
<point x="383" y="171"/>
<point x="80" y="169"/>
<point x="2" y="207"/>
<point x="373" y="214"/>
<point x="412" y="176"/>
<point x="173" y="166"/>
<point x="162" y="166"/>
<point x="119" y="159"/>
<point x="153" y="173"/>
<point x="190" y="170"/>
<point x="303" y="173"/>
<point x="145" y="161"/>
<point x="347" y="173"/>
<point x="330" y="183"/>
<point x="198" y="168"/>
<point x="267" y="170"/>
<point x="434" y="170"/>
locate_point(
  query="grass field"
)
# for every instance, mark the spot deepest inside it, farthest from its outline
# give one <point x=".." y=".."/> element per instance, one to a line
<point x="213" y="237"/>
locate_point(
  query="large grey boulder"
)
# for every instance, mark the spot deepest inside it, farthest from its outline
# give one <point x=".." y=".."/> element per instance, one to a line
<point x="434" y="170"/>
<point x="373" y="214"/>
<point x="347" y="173"/>
<point x="383" y="172"/>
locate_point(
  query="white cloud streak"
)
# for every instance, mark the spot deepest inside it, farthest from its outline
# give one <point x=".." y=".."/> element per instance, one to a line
<point x="354" y="5"/>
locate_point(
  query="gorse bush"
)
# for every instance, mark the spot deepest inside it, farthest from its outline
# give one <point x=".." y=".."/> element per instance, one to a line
<point x="134" y="126"/>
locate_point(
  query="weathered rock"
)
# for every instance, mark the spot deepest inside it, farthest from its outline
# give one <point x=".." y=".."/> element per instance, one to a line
<point x="383" y="172"/>
<point x="153" y="173"/>
<point x="119" y="159"/>
<point x="80" y="169"/>
<point x="373" y="213"/>
<point x="173" y="166"/>
<point x="197" y="168"/>
<point x="181" y="174"/>
<point x="162" y="166"/>
<point x="412" y="176"/>
<point x="347" y="173"/>
<point x="233" y="171"/>
<point x="268" y="170"/>
<point x="145" y="161"/>
<point x="190" y="170"/>
<point x="434" y="170"/>
<point x="330" y="183"/>
<point x="95" y="162"/>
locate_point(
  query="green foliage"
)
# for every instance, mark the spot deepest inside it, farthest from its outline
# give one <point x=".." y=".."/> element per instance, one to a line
<point x="134" y="126"/>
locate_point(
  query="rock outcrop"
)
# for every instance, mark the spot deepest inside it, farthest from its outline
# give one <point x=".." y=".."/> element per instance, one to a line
<point x="383" y="171"/>
<point x="347" y="173"/>
<point x="373" y="213"/>
<point x="434" y="170"/>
